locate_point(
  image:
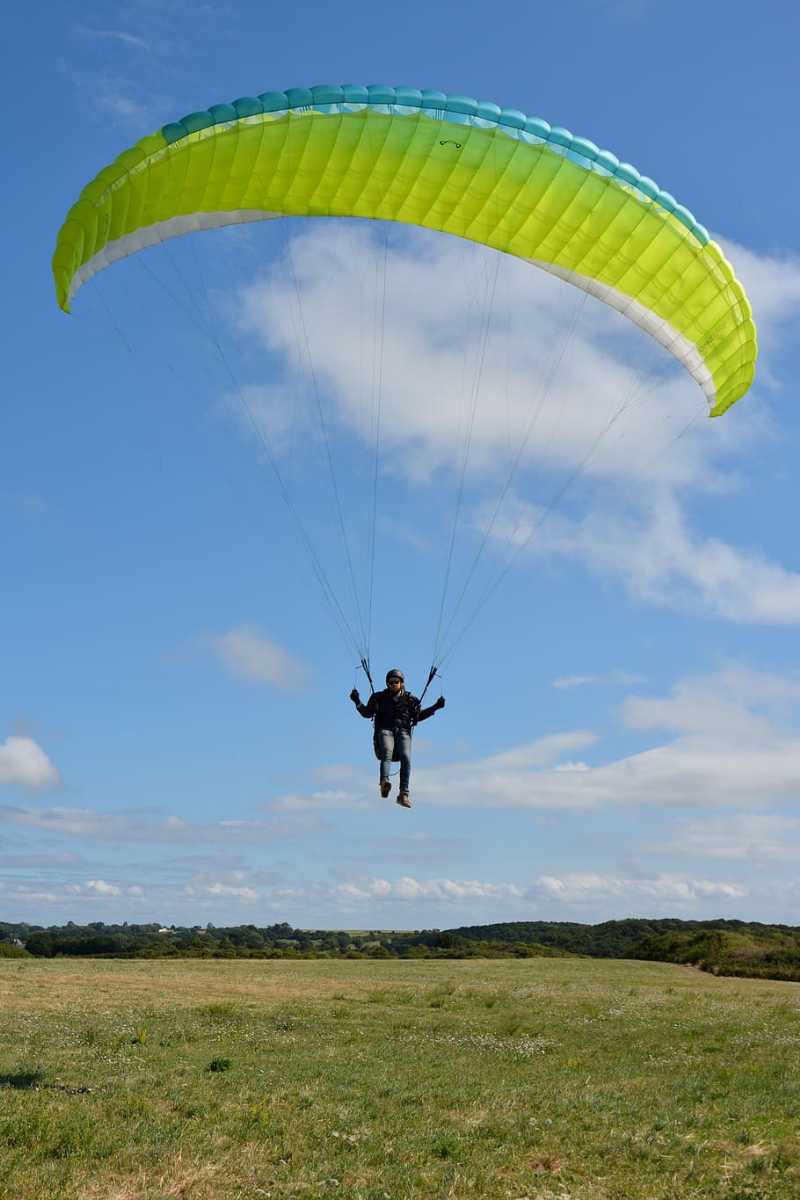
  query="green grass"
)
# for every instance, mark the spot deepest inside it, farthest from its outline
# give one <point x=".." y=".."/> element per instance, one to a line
<point x="537" y="1078"/>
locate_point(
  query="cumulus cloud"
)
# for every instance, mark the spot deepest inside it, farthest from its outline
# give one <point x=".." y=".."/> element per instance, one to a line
<point x="658" y="558"/>
<point x="730" y="744"/>
<point x="64" y="895"/>
<point x="589" y="888"/>
<point x="24" y="763"/>
<point x="102" y="888"/>
<point x="634" y="436"/>
<point x="732" y="749"/>
<point x="247" y="653"/>
<point x="521" y="381"/>
<point x="406" y="889"/>
<point x="576" y="888"/>
<point x="222" y="889"/>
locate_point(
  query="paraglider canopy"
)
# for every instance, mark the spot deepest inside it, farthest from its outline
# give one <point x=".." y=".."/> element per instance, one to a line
<point x="444" y="162"/>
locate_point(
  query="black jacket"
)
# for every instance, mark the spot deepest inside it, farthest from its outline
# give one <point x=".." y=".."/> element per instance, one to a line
<point x="395" y="712"/>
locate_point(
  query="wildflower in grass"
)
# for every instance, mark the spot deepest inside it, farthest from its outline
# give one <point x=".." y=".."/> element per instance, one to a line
<point x="259" y="1116"/>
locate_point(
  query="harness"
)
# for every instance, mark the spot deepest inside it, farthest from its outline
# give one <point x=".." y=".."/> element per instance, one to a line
<point x="414" y="719"/>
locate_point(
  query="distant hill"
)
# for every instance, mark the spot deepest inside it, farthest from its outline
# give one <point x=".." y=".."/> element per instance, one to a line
<point x="610" y="939"/>
<point x="763" y="952"/>
<point x="745" y="948"/>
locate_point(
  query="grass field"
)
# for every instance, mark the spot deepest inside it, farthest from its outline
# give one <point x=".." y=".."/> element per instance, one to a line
<point x="538" y="1078"/>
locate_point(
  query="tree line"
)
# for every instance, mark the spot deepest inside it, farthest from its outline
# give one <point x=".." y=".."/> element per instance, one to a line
<point x="725" y="947"/>
<point x="99" y="939"/>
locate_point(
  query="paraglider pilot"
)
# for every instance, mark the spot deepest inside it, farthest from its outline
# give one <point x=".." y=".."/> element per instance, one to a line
<point x="395" y="712"/>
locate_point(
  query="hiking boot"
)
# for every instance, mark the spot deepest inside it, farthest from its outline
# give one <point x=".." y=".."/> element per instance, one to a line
<point x="403" y="800"/>
<point x="386" y="787"/>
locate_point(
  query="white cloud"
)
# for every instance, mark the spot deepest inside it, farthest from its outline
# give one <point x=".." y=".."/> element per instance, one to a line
<point x="79" y="821"/>
<point x="438" y="298"/>
<point x="117" y="35"/>
<point x="757" y="838"/>
<point x="734" y="704"/>
<point x="694" y="770"/>
<point x="121" y="105"/>
<point x="772" y="284"/>
<point x="23" y="762"/>
<point x="92" y="888"/>
<point x="731" y="749"/>
<point x="333" y="798"/>
<point x="405" y="889"/>
<point x="658" y="558"/>
<point x="151" y="827"/>
<point x="623" y="678"/>
<point x="576" y="888"/>
<point x="32" y="896"/>
<point x="539" y="751"/>
<point x="590" y="888"/>
<point x="131" y="103"/>
<point x="503" y="778"/>
<point x="247" y="653"/>
<point x="224" y="889"/>
<point x="102" y="888"/>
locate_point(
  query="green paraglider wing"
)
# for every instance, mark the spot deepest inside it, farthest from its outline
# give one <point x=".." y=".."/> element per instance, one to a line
<point x="442" y="162"/>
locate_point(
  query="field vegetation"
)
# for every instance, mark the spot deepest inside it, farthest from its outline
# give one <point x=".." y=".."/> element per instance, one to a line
<point x="385" y="1079"/>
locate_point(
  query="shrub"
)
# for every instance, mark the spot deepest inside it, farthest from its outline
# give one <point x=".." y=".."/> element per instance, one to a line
<point x="219" y="1064"/>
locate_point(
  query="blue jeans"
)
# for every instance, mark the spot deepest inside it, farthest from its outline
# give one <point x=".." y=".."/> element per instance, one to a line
<point x="387" y="744"/>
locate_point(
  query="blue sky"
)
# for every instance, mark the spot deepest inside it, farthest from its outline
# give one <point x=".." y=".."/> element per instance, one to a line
<point x="176" y="742"/>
